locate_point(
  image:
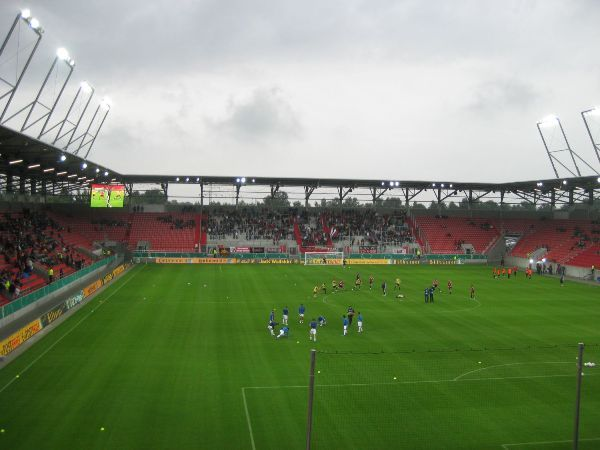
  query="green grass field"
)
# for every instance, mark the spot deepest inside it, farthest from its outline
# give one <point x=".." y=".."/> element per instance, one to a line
<point x="179" y="357"/>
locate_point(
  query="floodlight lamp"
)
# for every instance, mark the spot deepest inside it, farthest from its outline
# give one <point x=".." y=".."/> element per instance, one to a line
<point x="382" y="183"/>
<point x="197" y="179"/>
<point x="243" y="179"/>
<point x="442" y="184"/>
<point x="84" y="165"/>
<point x="391" y="183"/>
<point x="177" y="179"/>
<point x="253" y="180"/>
<point x="85" y="86"/>
<point x="450" y="184"/>
<point x="237" y="180"/>
<point x="97" y="170"/>
<point x="530" y="261"/>
<point x="548" y="121"/>
<point x="543" y="260"/>
<point x="598" y="180"/>
<point x="63" y="157"/>
<point x="62" y="53"/>
<point x="433" y="184"/>
<point x="34" y="23"/>
<point x="187" y="179"/>
<point x="397" y="183"/>
<point x="25" y="14"/>
<point x="72" y="62"/>
<point x="106" y="173"/>
<point x="106" y="103"/>
<point x="564" y="181"/>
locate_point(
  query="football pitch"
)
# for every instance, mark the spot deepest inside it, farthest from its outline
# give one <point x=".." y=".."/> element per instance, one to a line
<point x="179" y="357"/>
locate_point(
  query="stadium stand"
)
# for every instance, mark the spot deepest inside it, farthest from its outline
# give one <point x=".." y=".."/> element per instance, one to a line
<point x="32" y="243"/>
<point x="441" y="234"/>
<point x="352" y="229"/>
<point x="162" y="231"/>
<point x="563" y="240"/>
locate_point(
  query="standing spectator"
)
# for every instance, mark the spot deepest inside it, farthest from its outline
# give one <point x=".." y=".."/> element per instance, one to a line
<point x="50" y="275"/>
<point x="61" y="273"/>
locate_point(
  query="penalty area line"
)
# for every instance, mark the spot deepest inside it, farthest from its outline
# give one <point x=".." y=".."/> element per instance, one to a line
<point x="390" y="383"/>
<point x="45" y="352"/>
<point x="248" y="419"/>
<point x="520" y="444"/>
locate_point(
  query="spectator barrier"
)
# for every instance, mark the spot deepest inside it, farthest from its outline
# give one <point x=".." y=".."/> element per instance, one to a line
<point x="18" y="338"/>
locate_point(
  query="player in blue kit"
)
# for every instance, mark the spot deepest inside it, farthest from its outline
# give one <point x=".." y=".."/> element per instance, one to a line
<point x="431" y="292"/>
<point x="272" y="316"/>
<point x="426" y="295"/>
<point x="301" y="311"/>
<point x="271" y="327"/>
<point x="359" y="322"/>
<point x="345" y="322"/>
<point x="322" y="321"/>
<point x="285" y="312"/>
<point x="312" y="336"/>
<point x="284" y="332"/>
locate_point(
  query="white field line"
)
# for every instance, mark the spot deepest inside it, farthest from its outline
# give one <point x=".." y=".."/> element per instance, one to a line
<point x="455" y="380"/>
<point x="462" y="380"/>
<point x="506" y="446"/>
<point x="506" y="365"/>
<point x="69" y="331"/>
<point x="248" y="419"/>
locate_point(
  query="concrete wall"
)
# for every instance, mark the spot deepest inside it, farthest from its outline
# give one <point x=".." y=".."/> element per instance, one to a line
<point x="62" y="292"/>
<point x="582" y="273"/>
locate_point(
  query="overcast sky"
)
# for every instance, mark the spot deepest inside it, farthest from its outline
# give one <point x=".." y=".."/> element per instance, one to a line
<point x="360" y="89"/>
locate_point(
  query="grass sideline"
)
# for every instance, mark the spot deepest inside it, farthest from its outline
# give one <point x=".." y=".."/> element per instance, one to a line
<point x="178" y="356"/>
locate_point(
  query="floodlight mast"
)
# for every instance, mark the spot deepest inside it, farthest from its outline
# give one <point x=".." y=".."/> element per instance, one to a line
<point x="84" y="87"/>
<point x="91" y="143"/>
<point x="553" y="121"/>
<point x="596" y="145"/>
<point x="61" y="55"/>
<point x="33" y="23"/>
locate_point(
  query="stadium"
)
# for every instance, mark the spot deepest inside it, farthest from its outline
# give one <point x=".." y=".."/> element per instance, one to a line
<point x="151" y="300"/>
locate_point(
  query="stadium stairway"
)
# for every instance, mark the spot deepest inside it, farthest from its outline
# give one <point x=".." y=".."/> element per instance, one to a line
<point x="326" y="230"/>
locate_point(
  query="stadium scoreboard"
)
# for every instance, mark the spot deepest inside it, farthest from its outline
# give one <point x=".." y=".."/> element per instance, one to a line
<point x="107" y="195"/>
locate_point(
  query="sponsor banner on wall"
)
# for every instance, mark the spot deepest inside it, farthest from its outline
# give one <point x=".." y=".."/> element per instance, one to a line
<point x="195" y="260"/>
<point x="273" y="249"/>
<point x="17" y="339"/>
<point x="328" y="261"/>
<point x="371" y="249"/>
<point x="118" y="270"/>
<point x="215" y="260"/>
<point x="53" y="314"/>
<point x="258" y="249"/>
<point x="279" y="261"/>
<point x="241" y="250"/>
<point x="107" y="278"/>
<point x="442" y="261"/>
<point x="407" y="261"/>
<point x="402" y="251"/>
<point x="74" y="300"/>
<point x="174" y="260"/>
<point x="90" y="289"/>
<point x="368" y="261"/>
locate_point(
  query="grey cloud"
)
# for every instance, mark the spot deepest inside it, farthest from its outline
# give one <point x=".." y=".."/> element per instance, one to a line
<point x="503" y="94"/>
<point x="266" y="114"/>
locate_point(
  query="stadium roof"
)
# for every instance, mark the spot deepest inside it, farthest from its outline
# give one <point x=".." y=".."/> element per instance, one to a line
<point x="33" y="161"/>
